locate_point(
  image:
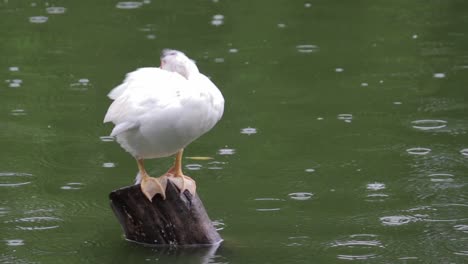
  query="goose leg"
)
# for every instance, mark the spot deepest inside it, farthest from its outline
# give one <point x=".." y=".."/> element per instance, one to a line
<point x="151" y="186"/>
<point x="177" y="176"/>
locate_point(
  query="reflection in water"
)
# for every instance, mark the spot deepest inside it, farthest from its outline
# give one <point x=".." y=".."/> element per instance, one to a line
<point x="203" y="254"/>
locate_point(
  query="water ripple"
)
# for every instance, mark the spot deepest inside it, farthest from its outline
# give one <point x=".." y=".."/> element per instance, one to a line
<point x="55" y="10"/>
<point x="72" y="186"/>
<point x="248" y="131"/>
<point x="193" y="166"/>
<point x="128" y="5"/>
<point x="14" y="242"/>
<point x="429" y="124"/>
<point x="464" y="152"/>
<point x="226" y="151"/>
<point x="345" y="117"/>
<point x="301" y="196"/>
<point x="13" y="179"/>
<point x="37" y="222"/>
<point x="307" y="48"/>
<point x="217" y="20"/>
<point x="397" y="220"/>
<point x="38" y="19"/>
<point x="365" y="243"/>
<point x="418" y="151"/>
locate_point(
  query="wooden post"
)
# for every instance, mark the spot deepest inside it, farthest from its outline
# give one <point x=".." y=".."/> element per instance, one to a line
<point x="181" y="219"/>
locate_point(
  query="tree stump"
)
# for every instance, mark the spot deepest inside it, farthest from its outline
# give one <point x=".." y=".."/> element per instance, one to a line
<point x="181" y="219"/>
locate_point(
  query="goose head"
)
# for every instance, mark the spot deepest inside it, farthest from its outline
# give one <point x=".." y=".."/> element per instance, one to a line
<point x="177" y="61"/>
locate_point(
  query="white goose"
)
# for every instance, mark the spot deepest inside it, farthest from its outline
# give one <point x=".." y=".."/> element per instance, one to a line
<point x="157" y="112"/>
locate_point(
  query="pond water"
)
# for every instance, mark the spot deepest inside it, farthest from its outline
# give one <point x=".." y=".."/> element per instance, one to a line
<point x="344" y="137"/>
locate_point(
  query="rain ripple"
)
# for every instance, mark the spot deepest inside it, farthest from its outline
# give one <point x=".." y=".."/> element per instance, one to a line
<point x="248" y="131"/>
<point x="268" y="201"/>
<point x="72" y="186"/>
<point x="307" y="48"/>
<point x="128" y="5"/>
<point x="428" y="124"/>
<point x="15" y="83"/>
<point x="418" y="151"/>
<point x="301" y="196"/>
<point x="13" y="179"/>
<point x="217" y="20"/>
<point x="14" y="242"/>
<point x="397" y="220"/>
<point x="38" y="19"/>
<point x="107" y="139"/>
<point x="365" y="243"/>
<point x="464" y="152"/>
<point x="374" y="196"/>
<point x="345" y="117"/>
<point x="82" y="84"/>
<point x="226" y="151"/>
<point x="55" y="10"/>
<point x="37" y="223"/>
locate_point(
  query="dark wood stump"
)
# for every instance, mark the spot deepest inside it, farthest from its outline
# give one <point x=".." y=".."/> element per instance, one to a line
<point x="181" y="219"/>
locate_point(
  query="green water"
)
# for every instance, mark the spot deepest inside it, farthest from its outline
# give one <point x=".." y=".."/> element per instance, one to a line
<point x="344" y="136"/>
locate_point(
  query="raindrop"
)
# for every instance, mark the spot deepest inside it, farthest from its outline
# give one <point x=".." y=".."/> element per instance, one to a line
<point x="233" y="50"/>
<point x="219" y="60"/>
<point x="464" y="152"/>
<point x="310" y="170"/>
<point x="339" y="70"/>
<point x="248" y="131"/>
<point x="38" y="19"/>
<point x="307" y="5"/>
<point x="397" y="103"/>
<point x="108" y="165"/>
<point x="307" y="48"/>
<point x="151" y="36"/>
<point x="217" y="20"/>
<point x="301" y="196"/>
<point x="375" y="186"/>
<point x="218" y="224"/>
<point x="364" y="84"/>
<point x="281" y="25"/>
<point x="418" y="151"/>
<point x="56" y="10"/>
<point x="193" y="166"/>
<point x="72" y="186"/>
<point x="226" y="151"/>
<point x="439" y="75"/>
<point x="396" y="220"/>
<point x="345" y="117"/>
<point x="14" y="242"/>
<point x="267" y="209"/>
<point x="107" y="138"/>
<point x="128" y="5"/>
<point x="13" y="68"/>
<point x="18" y="112"/>
<point x="428" y="124"/>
